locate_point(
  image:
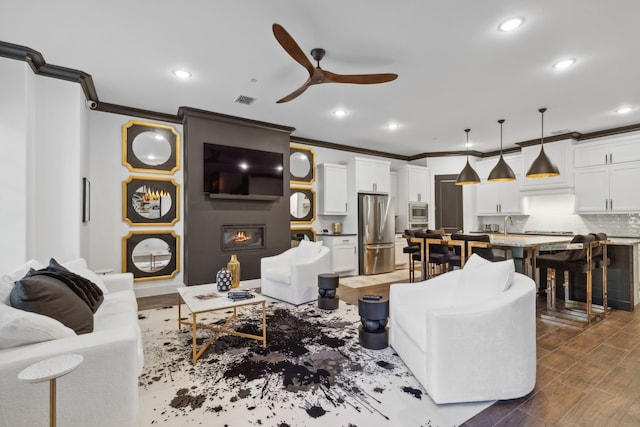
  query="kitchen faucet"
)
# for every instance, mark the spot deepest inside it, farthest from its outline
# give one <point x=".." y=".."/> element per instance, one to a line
<point x="508" y="217"/>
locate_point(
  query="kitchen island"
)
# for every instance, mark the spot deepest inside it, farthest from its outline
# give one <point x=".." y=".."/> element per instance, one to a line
<point x="623" y="273"/>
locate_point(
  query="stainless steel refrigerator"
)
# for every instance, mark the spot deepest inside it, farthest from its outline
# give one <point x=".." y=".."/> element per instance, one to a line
<point x="376" y="234"/>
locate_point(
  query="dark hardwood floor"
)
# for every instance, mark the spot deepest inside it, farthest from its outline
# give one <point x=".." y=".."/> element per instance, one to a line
<point x="585" y="377"/>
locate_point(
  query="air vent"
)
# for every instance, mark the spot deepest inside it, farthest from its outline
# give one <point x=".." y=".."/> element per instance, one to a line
<point x="247" y="100"/>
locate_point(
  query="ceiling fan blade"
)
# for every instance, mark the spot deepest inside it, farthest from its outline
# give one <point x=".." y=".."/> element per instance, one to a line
<point x="289" y="44"/>
<point x="362" y="79"/>
<point x="295" y="93"/>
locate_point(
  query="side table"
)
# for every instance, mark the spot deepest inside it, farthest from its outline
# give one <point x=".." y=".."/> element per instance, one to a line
<point x="327" y="285"/>
<point x="373" y="310"/>
<point x="49" y="370"/>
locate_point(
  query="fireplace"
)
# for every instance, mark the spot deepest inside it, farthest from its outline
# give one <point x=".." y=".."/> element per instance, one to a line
<point x="243" y="237"/>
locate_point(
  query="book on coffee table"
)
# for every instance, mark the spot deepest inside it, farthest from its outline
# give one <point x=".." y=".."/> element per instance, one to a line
<point x="207" y="296"/>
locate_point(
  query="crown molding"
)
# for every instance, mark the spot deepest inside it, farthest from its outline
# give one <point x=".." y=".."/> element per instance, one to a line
<point x="39" y="66"/>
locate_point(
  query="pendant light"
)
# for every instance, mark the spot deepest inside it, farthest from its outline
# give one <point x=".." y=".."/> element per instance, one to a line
<point x="542" y="166"/>
<point x="501" y="171"/>
<point x="468" y="175"/>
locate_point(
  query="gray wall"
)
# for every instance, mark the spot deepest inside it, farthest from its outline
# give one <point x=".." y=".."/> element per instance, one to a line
<point x="204" y="217"/>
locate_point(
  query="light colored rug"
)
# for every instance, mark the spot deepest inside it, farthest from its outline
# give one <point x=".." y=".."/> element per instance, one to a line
<point x="313" y="373"/>
<point x="376" y="279"/>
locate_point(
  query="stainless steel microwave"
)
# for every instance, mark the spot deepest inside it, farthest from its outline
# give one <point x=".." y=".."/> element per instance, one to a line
<point x="418" y="212"/>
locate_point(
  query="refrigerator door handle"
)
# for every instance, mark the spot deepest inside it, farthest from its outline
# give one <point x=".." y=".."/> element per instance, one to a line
<point x="381" y="246"/>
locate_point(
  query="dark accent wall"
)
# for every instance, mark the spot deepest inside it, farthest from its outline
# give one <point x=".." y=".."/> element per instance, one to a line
<point x="204" y="217"/>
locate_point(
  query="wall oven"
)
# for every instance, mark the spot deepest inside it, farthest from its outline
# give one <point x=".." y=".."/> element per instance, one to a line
<point x="418" y="212"/>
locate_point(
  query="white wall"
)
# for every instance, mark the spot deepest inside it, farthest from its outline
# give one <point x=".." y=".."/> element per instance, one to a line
<point x="42" y="136"/>
<point x="13" y="163"/>
<point x="107" y="227"/>
<point x="57" y="179"/>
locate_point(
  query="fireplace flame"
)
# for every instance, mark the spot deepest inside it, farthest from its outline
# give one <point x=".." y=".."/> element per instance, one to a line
<point x="240" y="237"/>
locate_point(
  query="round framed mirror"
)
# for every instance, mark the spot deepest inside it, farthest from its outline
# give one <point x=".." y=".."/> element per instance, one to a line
<point x="302" y="162"/>
<point x="151" y="255"/>
<point x="150" y="201"/>
<point x="151" y="148"/>
<point x="302" y="205"/>
<point x="148" y="147"/>
<point x="299" y="164"/>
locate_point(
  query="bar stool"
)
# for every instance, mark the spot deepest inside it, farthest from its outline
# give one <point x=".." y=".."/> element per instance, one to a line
<point x="411" y="249"/>
<point x="436" y="253"/>
<point x="579" y="261"/>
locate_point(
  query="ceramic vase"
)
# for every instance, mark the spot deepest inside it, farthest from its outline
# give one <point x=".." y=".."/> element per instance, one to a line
<point x="234" y="267"/>
<point x="223" y="280"/>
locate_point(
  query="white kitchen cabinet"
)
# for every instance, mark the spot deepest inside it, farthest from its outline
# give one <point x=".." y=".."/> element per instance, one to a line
<point x="607" y="151"/>
<point x="402" y="259"/>
<point x="499" y="197"/>
<point x="417" y="183"/>
<point x="332" y="180"/>
<point x="560" y="153"/>
<point x="372" y="176"/>
<point x="342" y="255"/>
<point x="607" y="189"/>
<point x="413" y="186"/>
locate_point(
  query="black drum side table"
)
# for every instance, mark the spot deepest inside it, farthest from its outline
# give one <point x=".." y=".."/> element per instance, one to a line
<point x="327" y="285"/>
<point x="374" y="310"/>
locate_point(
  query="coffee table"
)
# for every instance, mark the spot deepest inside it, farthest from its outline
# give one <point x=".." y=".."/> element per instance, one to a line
<point x="202" y="299"/>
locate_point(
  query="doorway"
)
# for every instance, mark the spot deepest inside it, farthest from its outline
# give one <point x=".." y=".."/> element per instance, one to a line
<point x="448" y="200"/>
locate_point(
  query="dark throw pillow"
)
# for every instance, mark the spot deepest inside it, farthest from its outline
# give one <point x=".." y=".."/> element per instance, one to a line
<point x="88" y="291"/>
<point x="50" y="297"/>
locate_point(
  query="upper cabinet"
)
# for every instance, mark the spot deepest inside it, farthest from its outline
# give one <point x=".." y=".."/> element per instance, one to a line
<point x="613" y="151"/>
<point x="332" y="181"/>
<point x="372" y="176"/>
<point x="499" y="197"/>
<point x="606" y="173"/>
<point x="417" y="184"/>
<point x="560" y="153"/>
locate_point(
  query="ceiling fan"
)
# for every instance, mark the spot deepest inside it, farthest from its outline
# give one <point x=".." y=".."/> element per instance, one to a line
<point x="316" y="74"/>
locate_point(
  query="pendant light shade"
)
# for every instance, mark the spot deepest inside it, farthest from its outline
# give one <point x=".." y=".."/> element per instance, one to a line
<point x="501" y="171"/>
<point x="542" y="166"/>
<point x="468" y="174"/>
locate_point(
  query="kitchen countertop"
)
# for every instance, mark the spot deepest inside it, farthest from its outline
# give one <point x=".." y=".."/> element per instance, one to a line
<point x="336" y="235"/>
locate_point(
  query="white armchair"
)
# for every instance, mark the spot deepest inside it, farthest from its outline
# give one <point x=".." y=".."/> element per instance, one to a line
<point x="468" y="335"/>
<point x="292" y="276"/>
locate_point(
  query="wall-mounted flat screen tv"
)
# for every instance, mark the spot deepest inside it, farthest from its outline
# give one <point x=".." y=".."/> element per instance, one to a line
<point x="235" y="172"/>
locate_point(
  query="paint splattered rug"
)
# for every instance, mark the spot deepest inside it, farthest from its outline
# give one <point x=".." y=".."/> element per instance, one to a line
<point x="312" y="373"/>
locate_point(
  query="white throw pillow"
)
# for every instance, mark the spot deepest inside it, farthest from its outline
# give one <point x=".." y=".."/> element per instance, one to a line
<point x="19" y="327"/>
<point x="306" y="251"/>
<point x="19" y="272"/>
<point x="482" y="280"/>
<point x="6" y="285"/>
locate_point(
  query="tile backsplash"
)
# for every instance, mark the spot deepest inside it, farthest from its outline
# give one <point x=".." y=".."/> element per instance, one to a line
<point x="556" y="213"/>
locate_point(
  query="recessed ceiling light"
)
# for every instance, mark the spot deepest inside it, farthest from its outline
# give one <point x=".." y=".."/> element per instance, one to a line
<point x="340" y="113"/>
<point x="565" y="63"/>
<point x="393" y="126"/>
<point x="511" y="24"/>
<point x="624" y="110"/>
<point x="181" y="74"/>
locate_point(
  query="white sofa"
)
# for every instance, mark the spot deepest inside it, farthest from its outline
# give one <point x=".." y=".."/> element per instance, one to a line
<point x="464" y="336"/>
<point x="292" y="276"/>
<point x="103" y="390"/>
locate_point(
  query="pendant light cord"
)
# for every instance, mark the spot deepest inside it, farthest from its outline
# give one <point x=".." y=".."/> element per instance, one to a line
<point x="542" y="110"/>
<point x="467" y="144"/>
